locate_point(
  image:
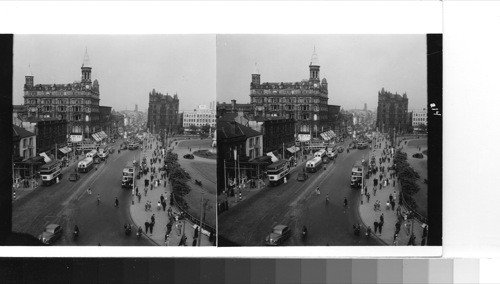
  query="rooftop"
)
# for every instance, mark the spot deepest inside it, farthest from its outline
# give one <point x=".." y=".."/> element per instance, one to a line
<point x="21" y="132"/>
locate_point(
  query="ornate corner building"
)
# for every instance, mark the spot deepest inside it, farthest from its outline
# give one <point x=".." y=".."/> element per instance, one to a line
<point x="392" y="112"/>
<point x="163" y="113"/>
<point x="306" y="101"/>
<point x="77" y="102"/>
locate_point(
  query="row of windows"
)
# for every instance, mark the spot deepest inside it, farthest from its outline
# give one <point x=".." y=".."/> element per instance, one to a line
<point x="199" y="120"/>
<point x="58" y="101"/>
<point x="287" y="100"/>
<point x="420" y="119"/>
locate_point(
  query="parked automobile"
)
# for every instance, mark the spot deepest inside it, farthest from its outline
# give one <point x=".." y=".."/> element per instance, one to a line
<point x="279" y="234"/>
<point x="188" y="156"/>
<point x="340" y="149"/>
<point x="302" y="177"/>
<point x="74" y="177"/>
<point x="51" y="234"/>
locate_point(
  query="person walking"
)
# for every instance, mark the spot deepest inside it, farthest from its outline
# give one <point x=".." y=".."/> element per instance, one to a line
<point x="398" y="226"/>
<point x="146" y="225"/>
<point x="375" y="226"/>
<point x="367" y="197"/>
<point x="374" y="191"/>
<point x="139" y="197"/>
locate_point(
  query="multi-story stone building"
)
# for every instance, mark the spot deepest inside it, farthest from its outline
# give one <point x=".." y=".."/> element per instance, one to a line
<point x="199" y="117"/>
<point x="163" y="113"/>
<point x="392" y="112"/>
<point x="306" y="101"/>
<point x="76" y="102"/>
<point x="418" y="119"/>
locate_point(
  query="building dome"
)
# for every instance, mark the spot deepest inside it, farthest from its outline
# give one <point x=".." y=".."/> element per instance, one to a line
<point x="314" y="58"/>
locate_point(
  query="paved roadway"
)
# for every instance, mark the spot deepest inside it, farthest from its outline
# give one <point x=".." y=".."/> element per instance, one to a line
<point x="68" y="203"/>
<point x="295" y="204"/>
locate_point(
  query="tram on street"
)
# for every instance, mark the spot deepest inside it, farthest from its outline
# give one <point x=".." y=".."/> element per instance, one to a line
<point x="357" y="176"/>
<point x="131" y="169"/>
<point x="50" y="172"/>
<point x="85" y="165"/>
<point x="277" y="172"/>
<point x="332" y="153"/>
<point x="321" y="153"/>
<point x="314" y="164"/>
<point x="94" y="155"/>
<point x="104" y="152"/>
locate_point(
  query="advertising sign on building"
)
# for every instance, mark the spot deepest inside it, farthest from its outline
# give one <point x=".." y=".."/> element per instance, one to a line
<point x="75" y="138"/>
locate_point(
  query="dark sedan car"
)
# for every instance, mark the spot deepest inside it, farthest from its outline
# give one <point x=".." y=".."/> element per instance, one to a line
<point x="74" y="177"/>
<point x="302" y="177"/>
<point x="51" y="234"/>
<point x="280" y="234"/>
<point x="188" y="156"/>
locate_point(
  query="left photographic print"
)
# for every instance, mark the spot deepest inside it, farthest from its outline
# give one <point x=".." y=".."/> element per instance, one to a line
<point x="113" y="140"/>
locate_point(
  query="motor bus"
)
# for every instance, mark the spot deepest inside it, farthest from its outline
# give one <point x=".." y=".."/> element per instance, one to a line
<point x="314" y="164"/>
<point x="357" y="175"/>
<point x="85" y="165"/>
<point x="50" y="172"/>
<point x="277" y="171"/>
<point x="94" y="155"/>
<point x="103" y="152"/>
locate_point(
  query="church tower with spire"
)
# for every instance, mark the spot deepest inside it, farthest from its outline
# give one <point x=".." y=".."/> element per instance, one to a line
<point x="86" y="69"/>
<point x="314" y="68"/>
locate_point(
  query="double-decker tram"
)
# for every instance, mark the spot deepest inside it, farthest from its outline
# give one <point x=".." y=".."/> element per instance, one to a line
<point x="50" y="172"/>
<point x="276" y="172"/>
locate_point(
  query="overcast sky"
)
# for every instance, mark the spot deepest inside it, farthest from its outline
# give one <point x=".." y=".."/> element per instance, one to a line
<point x="356" y="66"/>
<point x="127" y="67"/>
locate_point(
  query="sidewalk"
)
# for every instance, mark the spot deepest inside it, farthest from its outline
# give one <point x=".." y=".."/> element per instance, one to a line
<point x="139" y="215"/>
<point x="368" y="215"/>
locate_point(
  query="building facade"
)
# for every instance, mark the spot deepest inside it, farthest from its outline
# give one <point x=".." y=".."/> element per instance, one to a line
<point x="163" y="113"/>
<point x="419" y="117"/>
<point x="392" y="112"/>
<point x="77" y="102"/>
<point x="233" y="107"/>
<point x="278" y="132"/>
<point x="306" y="101"/>
<point x="199" y="117"/>
<point x="51" y="133"/>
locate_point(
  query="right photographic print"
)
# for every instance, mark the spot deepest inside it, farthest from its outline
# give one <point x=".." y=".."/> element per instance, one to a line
<point x="326" y="140"/>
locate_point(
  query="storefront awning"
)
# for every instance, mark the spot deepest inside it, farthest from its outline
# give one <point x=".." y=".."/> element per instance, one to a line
<point x="293" y="149"/>
<point x="45" y="157"/>
<point x="65" y="150"/>
<point x="273" y="157"/>
<point x="96" y="137"/>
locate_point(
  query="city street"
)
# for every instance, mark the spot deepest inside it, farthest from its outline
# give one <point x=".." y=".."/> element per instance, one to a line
<point x="295" y="204"/>
<point x="68" y="203"/>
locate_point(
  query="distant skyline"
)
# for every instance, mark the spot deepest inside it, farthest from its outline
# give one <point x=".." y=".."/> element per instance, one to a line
<point x="355" y="66"/>
<point x="127" y="67"/>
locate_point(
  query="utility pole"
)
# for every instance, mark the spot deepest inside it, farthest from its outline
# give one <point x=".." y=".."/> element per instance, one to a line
<point x="201" y="217"/>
